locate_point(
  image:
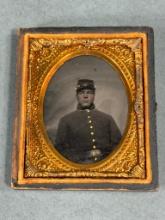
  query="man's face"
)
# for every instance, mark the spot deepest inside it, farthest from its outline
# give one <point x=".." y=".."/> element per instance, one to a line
<point x="86" y="97"/>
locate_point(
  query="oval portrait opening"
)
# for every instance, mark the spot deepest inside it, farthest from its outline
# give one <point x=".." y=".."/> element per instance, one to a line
<point x="85" y="109"/>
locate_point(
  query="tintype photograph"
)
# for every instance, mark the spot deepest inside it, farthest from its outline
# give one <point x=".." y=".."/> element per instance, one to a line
<point x="85" y="109"/>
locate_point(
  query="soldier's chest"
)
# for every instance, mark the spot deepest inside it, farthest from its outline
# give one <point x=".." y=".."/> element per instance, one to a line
<point x="85" y="124"/>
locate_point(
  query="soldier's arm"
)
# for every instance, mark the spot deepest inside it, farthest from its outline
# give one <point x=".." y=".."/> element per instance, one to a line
<point x="61" y="140"/>
<point x="115" y="133"/>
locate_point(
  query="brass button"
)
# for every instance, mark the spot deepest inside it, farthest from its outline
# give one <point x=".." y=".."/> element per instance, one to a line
<point x="90" y="121"/>
<point x="93" y="140"/>
<point x="94" y="147"/>
<point x="91" y="126"/>
<point x="89" y="116"/>
<point x="95" y="158"/>
<point x="92" y="133"/>
<point x="88" y="110"/>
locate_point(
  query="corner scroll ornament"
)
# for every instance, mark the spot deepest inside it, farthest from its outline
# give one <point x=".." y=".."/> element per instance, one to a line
<point x="126" y="55"/>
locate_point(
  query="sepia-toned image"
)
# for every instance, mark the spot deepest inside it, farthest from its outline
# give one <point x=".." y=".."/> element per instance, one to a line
<point x="86" y="109"/>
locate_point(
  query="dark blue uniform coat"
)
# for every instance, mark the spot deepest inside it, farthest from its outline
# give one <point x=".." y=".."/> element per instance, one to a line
<point x="87" y="136"/>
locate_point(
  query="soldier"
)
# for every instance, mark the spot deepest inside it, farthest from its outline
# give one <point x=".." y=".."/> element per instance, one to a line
<point x="86" y="135"/>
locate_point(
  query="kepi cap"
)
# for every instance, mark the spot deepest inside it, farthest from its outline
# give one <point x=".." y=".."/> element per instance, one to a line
<point x="85" y="84"/>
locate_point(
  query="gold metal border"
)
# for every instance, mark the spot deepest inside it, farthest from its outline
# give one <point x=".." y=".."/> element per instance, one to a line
<point x="22" y="123"/>
<point x="49" y="76"/>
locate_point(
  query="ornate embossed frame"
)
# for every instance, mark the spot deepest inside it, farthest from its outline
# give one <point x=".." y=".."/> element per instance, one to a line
<point x="36" y="164"/>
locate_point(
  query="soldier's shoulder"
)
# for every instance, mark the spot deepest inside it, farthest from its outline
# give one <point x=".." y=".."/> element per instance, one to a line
<point x="103" y="115"/>
<point x="69" y="116"/>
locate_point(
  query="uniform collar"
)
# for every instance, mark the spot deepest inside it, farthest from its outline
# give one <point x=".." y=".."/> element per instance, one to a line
<point x="91" y="107"/>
